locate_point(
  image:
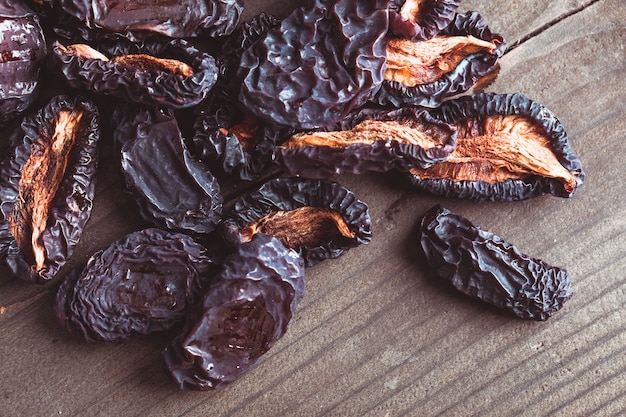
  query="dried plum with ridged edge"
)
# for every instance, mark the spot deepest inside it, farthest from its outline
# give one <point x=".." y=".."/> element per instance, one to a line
<point x="371" y="140"/>
<point x="22" y="53"/>
<point x="172" y="189"/>
<point x="145" y="282"/>
<point x="421" y="19"/>
<point x="47" y="185"/>
<point x="509" y="147"/>
<point x="320" y="219"/>
<point x="323" y="61"/>
<point x="171" y="74"/>
<point x="245" y="311"/>
<point x="415" y="75"/>
<point x="484" y="266"/>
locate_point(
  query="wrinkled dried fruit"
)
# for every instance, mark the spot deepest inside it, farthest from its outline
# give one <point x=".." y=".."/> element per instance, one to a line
<point x="137" y="19"/>
<point x="245" y="311"/>
<point x="427" y="72"/>
<point x="47" y="187"/>
<point x="368" y="141"/>
<point x="320" y="219"/>
<point x="421" y="19"/>
<point x="142" y="283"/>
<point x="172" y="189"/>
<point x="509" y="147"/>
<point x="482" y="265"/>
<point x="171" y="74"/>
<point x="22" y="51"/>
<point x="320" y="63"/>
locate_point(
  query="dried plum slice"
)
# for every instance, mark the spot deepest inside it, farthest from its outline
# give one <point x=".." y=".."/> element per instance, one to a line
<point x="509" y="147"/>
<point x="320" y="219"/>
<point x="170" y="74"/>
<point x="421" y="19"/>
<point x="246" y="310"/>
<point x="484" y="266"/>
<point x="368" y="141"/>
<point x="427" y="72"/>
<point x="142" y="283"/>
<point x="47" y="187"/>
<point x="22" y="52"/>
<point x="172" y="189"/>
<point x="323" y="61"/>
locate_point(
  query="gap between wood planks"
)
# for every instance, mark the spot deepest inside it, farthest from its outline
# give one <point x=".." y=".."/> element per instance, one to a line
<point x="548" y="25"/>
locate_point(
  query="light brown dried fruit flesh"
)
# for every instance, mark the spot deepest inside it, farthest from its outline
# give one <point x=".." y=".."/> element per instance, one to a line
<point x="304" y="226"/>
<point x="369" y="131"/>
<point x="415" y="10"/>
<point x="498" y="148"/>
<point x="416" y="63"/>
<point x="41" y="176"/>
<point x="245" y="131"/>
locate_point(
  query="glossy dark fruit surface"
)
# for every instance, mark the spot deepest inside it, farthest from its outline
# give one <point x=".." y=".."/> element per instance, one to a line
<point x="421" y="19"/>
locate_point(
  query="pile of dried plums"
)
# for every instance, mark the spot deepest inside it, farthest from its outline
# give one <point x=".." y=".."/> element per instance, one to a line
<point x="187" y="94"/>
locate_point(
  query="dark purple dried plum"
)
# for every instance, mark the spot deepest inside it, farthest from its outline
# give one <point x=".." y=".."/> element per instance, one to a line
<point x="172" y="189"/>
<point x="421" y="19"/>
<point x="137" y="20"/>
<point x="323" y="61"/>
<point x="318" y="218"/>
<point x="22" y="51"/>
<point x="172" y="74"/>
<point x="509" y="147"/>
<point x="368" y="141"/>
<point x="482" y="265"/>
<point x="142" y="283"/>
<point x="47" y="187"/>
<point x="427" y="72"/>
<point x="245" y="311"/>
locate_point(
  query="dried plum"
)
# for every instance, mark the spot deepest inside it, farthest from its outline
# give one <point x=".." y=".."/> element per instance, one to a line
<point x="483" y="265"/>
<point x="421" y="19"/>
<point x="47" y="187"/>
<point x="427" y="72"/>
<point x="142" y="283"/>
<point x="509" y="147"/>
<point x="245" y="311"/>
<point x="318" y="218"/>
<point x="172" y="189"/>
<point x="368" y="141"/>
<point x="22" y="51"/>
<point x="322" y="61"/>
<point x="172" y="74"/>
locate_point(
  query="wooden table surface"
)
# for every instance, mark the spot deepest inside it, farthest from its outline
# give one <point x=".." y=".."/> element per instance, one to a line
<point x="376" y="334"/>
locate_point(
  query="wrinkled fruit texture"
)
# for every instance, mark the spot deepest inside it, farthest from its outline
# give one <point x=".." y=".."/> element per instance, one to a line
<point x="484" y="266"/>
<point x="244" y="313"/>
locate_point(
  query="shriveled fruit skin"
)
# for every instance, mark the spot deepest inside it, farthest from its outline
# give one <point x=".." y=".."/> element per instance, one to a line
<point x="438" y="14"/>
<point x="244" y="313"/>
<point x="484" y="266"/>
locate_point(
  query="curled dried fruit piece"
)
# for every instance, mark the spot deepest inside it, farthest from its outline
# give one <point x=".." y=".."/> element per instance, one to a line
<point x="322" y="61"/>
<point x="142" y="283"/>
<point x="22" y="51"/>
<point x="482" y="265"/>
<point x="172" y="74"/>
<point x="421" y="19"/>
<point x="172" y="189"/>
<point x="318" y="218"/>
<point x="427" y="72"/>
<point x="47" y="187"/>
<point x="368" y="141"/>
<point x="509" y="147"/>
<point x="246" y="310"/>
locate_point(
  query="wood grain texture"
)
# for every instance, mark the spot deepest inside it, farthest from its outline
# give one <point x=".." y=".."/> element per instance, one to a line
<point x="377" y="334"/>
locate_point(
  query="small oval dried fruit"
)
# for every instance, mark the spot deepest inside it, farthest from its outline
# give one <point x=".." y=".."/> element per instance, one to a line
<point x="142" y="283"/>
<point x="484" y="266"/>
<point x="371" y="140"/>
<point x="320" y="219"/>
<point x="509" y="147"/>
<point x="244" y="313"/>
<point x="171" y="74"/>
<point x="47" y="187"/>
